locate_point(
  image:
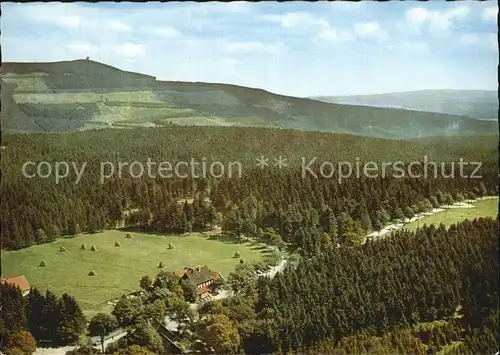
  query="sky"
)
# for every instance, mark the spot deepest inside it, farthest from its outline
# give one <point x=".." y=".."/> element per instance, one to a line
<point x="295" y="48"/>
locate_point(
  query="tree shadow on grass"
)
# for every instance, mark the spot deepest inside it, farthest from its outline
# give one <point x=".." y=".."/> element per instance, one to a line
<point x="259" y="247"/>
<point x="139" y="230"/>
<point x="227" y="239"/>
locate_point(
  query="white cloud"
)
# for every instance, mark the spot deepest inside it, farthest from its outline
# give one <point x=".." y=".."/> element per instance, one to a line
<point x="304" y="20"/>
<point x="72" y="16"/>
<point x="230" y="62"/>
<point x="367" y="29"/>
<point x="490" y="13"/>
<point x="492" y="40"/>
<point x="444" y="21"/>
<point x="56" y="14"/>
<point x="470" y="39"/>
<point x="370" y="30"/>
<point x="81" y="49"/>
<point x="162" y="31"/>
<point x="254" y="46"/>
<point x="440" y="22"/>
<point x="60" y="17"/>
<point x="412" y="47"/>
<point x="332" y="35"/>
<point x="234" y="7"/>
<point x="418" y="47"/>
<point x="486" y="40"/>
<point x="416" y="16"/>
<point x="305" y="23"/>
<point x="68" y="21"/>
<point x="116" y="26"/>
<point x="459" y="12"/>
<point x="346" y="5"/>
<point x="129" y="50"/>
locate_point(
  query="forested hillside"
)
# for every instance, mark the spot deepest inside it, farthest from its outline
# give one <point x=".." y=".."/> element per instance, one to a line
<point x="39" y="209"/>
<point x="394" y="296"/>
<point x="83" y="94"/>
<point x="430" y="291"/>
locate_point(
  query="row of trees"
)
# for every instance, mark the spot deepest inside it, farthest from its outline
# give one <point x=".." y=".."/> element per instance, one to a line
<point x="162" y="296"/>
<point x="47" y="319"/>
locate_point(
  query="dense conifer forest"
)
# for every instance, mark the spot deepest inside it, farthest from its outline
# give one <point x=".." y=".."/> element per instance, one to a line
<point x="428" y="291"/>
<point x="382" y="286"/>
<point x="37" y="210"/>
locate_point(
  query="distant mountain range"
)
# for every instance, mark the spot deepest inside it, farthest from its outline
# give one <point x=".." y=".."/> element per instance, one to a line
<point x="83" y="94"/>
<point x="479" y="104"/>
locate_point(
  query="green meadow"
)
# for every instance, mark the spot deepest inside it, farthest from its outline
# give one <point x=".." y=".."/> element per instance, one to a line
<point x="485" y="208"/>
<point x="118" y="269"/>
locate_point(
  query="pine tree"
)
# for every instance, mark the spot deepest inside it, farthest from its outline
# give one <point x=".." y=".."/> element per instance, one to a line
<point x="71" y="322"/>
<point x="35" y="313"/>
<point x="50" y="317"/>
<point x="13" y="318"/>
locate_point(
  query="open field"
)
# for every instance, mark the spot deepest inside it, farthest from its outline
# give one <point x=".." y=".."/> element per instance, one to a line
<point x="119" y="269"/>
<point x="86" y="97"/>
<point x="485" y="208"/>
<point x="28" y="82"/>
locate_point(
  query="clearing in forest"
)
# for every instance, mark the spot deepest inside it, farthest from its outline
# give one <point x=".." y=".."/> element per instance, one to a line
<point x="118" y="269"/>
<point x="484" y="208"/>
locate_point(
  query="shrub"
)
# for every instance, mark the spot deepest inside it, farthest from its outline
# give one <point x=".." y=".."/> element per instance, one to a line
<point x="43" y="263"/>
<point x="170" y="246"/>
<point x="117" y="244"/>
<point x="128" y="236"/>
<point x="83" y="247"/>
<point x="91" y="273"/>
<point x="62" y="249"/>
<point x="459" y="197"/>
<point x="21" y="342"/>
<point x="273" y="259"/>
<point x="242" y="261"/>
<point x="237" y="254"/>
<point x="161" y="265"/>
<point x="259" y="265"/>
<point x="93" y="248"/>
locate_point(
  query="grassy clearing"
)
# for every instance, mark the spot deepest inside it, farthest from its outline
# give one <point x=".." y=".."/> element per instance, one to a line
<point x="119" y="269"/>
<point x="129" y="115"/>
<point x="141" y="115"/>
<point x="200" y="120"/>
<point x="28" y="83"/>
<point x="485" y="208"/>
<point x="85" y="97"/>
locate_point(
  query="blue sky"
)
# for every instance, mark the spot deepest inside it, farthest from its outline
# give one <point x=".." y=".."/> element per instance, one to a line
<point x="295" y="48"/>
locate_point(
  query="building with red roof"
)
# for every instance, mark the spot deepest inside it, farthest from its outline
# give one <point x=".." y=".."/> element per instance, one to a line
<point x="199" y="277"/>
<point x="20" y="282"/>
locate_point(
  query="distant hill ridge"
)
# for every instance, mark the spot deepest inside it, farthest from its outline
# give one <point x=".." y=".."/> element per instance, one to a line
<point x="79" y="66"/>
<point x="481" y="104"/>
<point x="84" y="94"/>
